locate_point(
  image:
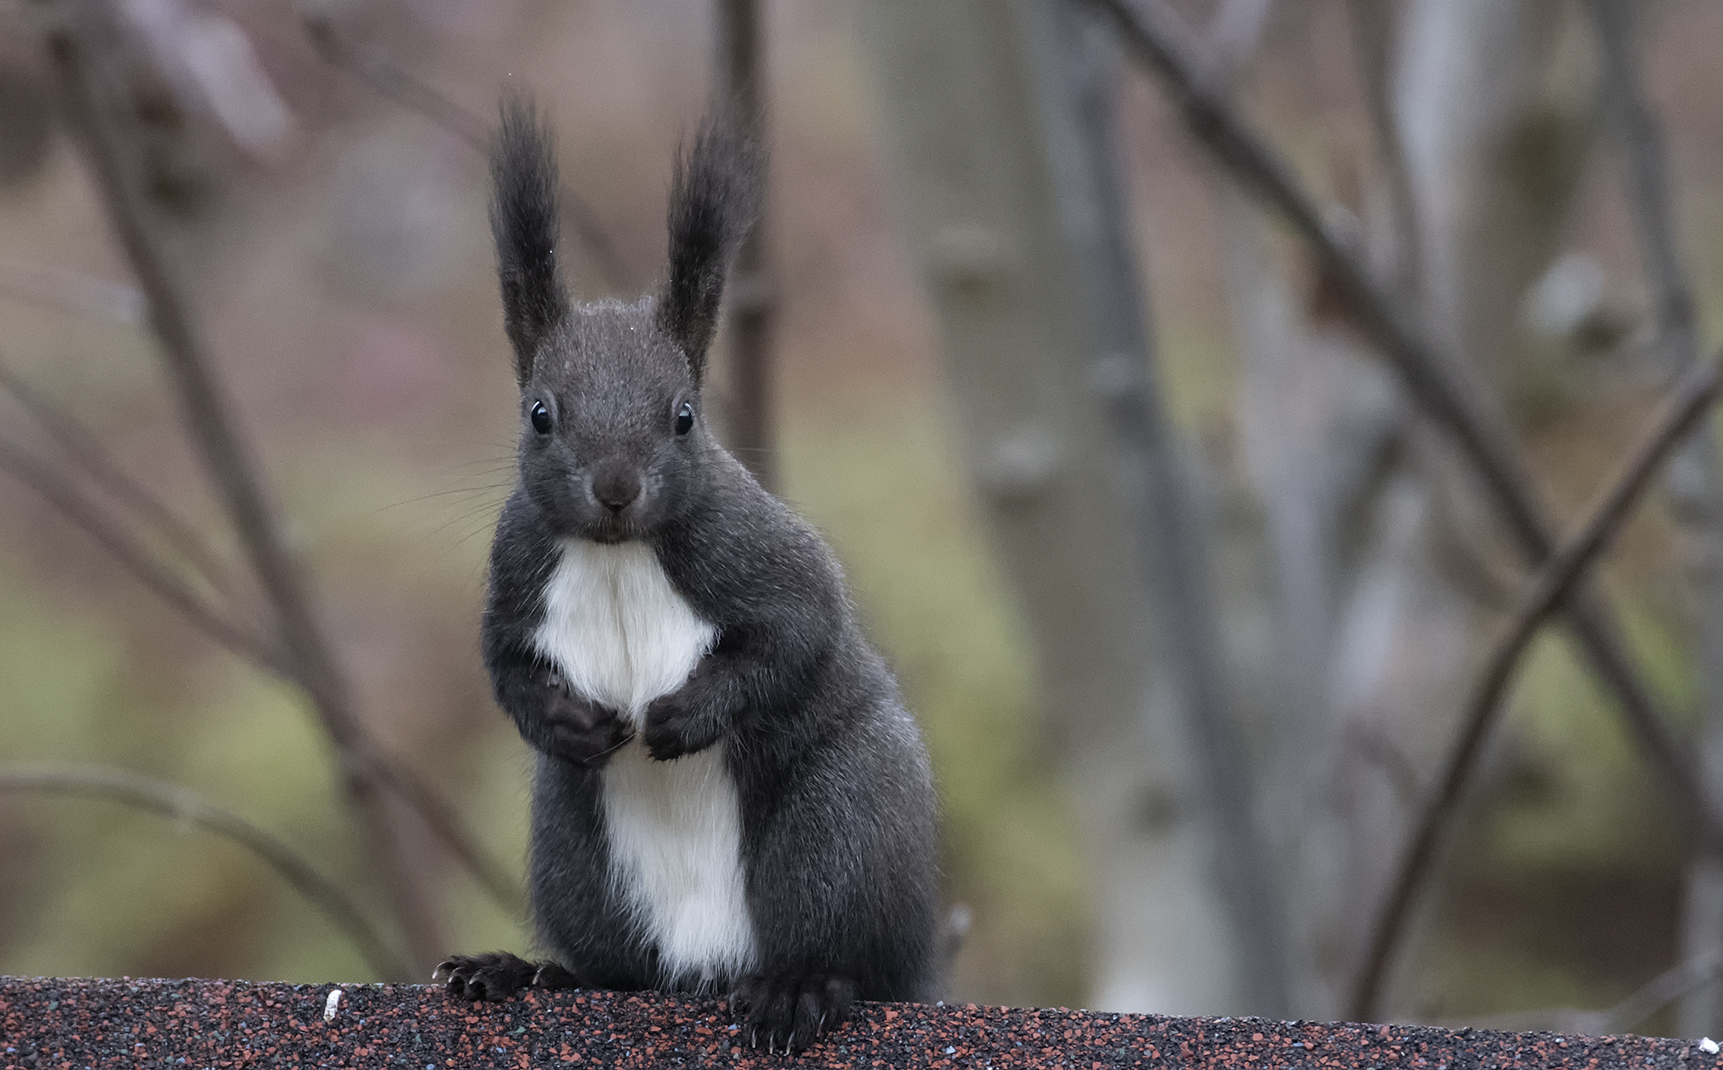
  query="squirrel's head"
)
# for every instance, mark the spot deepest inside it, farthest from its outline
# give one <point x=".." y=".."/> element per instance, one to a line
<point x="613" y="435"/>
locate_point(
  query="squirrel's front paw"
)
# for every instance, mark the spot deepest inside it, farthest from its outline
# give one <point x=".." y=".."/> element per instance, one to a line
<point x="679" y="723"/>
<point x="573" y="727"/>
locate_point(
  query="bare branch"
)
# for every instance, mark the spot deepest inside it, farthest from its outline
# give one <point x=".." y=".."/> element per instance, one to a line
<point x="210" y="418"/>
<point x="366" y="765"/>
<point x="1154" y="37"/>
<point x="59" y="489"/>
<point x="1433" y="380"/>
<point x="397" y="84"/>
<point x="80" y="444"/>
<point x="1558" y="580"/>
<point x="187" y="807"/>
<point x="498" y="881"/>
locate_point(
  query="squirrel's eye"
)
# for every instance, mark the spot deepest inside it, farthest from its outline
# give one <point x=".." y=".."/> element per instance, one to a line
<point x="684" y="418"/>
<point x="540" y="417"/>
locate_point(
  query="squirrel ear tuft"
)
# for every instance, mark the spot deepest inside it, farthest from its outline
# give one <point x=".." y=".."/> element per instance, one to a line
<point x="714" y="196"/>
<point x="524" y="223"/>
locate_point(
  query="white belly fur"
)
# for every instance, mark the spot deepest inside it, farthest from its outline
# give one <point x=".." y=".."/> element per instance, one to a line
<point x="622" y="636"/>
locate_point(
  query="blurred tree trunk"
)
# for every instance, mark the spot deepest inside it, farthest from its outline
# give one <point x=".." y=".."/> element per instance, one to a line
<point x="1694" y="479"/>
<point x="1008" y="202"/>
<point x="1492" y="123"/>
<point x="1354" y="593"/>
<point x="1694" y="483"/>
<point x="1366" y="633"/>
<point x="753" y="285"/>
<point x="1173" y="530"/>
<point x="1496" y="119"/>
<point x="1317" y="427"/>
<point x="1481" y="143"/>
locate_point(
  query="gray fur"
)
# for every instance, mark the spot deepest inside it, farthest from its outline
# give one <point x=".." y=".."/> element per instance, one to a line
<point x="836" y="798"/>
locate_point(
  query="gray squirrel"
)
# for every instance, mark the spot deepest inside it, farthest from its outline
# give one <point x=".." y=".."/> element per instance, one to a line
<point x="730" y="797"/>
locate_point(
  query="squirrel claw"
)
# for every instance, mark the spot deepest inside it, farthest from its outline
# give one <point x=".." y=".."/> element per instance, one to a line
<point x="796" y="1009"/>
<point x="494" y="976"/>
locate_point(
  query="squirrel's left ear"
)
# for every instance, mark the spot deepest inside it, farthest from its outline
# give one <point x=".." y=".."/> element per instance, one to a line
<point x="714" y="197"/>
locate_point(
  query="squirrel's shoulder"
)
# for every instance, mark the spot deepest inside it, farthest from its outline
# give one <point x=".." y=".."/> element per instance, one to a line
<point x="740" y="541"/>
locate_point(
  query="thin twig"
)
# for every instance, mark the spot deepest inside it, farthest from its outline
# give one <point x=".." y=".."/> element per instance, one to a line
<point x="1555" y="582"/>
<point x="1432" y="379"/>
<point x="1628" y="1016"/>
<point x="434" y="810"/>
<point x="399" y="85"/>
<point x="381" y="74"/>
<point x="210" y="418"/>
<point x="82" y="446"/>
<point x="59" y="489"/>
<point x="187" y="807"/>
<point x="1158" y="42"/>
<point x="1673" y="984"/>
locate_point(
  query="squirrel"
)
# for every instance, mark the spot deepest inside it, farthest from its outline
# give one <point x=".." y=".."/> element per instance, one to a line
<point x="729" y="797"/>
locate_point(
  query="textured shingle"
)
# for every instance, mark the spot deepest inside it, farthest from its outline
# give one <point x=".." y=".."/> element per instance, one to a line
<point x="197" y="1024"/>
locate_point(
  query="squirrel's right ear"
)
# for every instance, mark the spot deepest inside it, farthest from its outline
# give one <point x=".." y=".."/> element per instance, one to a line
<point x="524" y="222"/>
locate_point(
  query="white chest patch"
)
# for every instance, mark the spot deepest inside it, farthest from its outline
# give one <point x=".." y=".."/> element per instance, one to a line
<point x="676" y="834"/>
<point x="617" y="629"/>
<point x="622" y="636"/>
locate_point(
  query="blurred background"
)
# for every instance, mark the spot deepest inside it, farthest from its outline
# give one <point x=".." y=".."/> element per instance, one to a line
<point x="1189" y="591"/>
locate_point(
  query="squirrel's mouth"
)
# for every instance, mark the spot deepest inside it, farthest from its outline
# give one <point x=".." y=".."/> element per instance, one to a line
<point x="611" y="528"/>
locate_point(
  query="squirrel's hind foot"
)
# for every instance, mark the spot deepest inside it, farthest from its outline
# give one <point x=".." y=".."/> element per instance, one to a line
<point x="498" y="975"/>
<point x="789" y="1013"/>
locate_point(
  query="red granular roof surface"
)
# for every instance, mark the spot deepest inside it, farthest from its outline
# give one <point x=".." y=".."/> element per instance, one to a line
<point x="66" y="1024"/>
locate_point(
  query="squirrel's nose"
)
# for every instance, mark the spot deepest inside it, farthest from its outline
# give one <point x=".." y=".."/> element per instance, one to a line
<point x="616" y="487"/>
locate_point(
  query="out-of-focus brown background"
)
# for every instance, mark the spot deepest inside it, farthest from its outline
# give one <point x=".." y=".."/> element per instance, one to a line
<point x="340" y="268"/>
